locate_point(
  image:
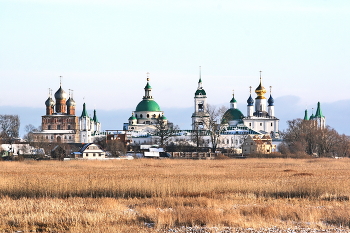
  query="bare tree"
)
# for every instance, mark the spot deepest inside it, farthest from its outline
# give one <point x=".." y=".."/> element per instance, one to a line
<point x="197" y="136"/>
<point x="9" y="126"/>
<point x="304" y="136"/>
<point x="164" y="130"/>
<point x="212" y="123"/>
<point x="116" y="148"/>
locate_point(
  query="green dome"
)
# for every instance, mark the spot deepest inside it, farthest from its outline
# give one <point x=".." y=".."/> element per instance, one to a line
<point x="148" y="106"/>
<point x="200" y="92"/>
<point x="163" y="118"/>
<point x="232" y="114"/>
<point x="233" y="100"/>
<point x="132" y="118"/>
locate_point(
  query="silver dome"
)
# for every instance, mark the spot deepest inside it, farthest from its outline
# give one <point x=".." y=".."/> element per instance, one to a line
<point x="49" y="102"/>
<point x="60" y="94"/>
<point x="70" y="102"/>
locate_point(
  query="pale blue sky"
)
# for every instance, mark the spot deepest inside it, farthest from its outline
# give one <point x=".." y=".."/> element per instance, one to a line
<point x="103" y="50"/>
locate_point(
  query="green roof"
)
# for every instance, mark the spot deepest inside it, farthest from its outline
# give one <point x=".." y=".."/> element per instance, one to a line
<point x="232" y="114"/>
<point x="84" y="113"/>
<point x="233" y="100"/>
<point x="148" y="105"/>
<point x="305" y="116"/>
<point x="148" y="86"/>
<point x="200" y="92"/>
<point x="163" y="117"/>
<point x="132" y="117"/>
<point x="319" y="111"/>
<point x="95" y="117"/>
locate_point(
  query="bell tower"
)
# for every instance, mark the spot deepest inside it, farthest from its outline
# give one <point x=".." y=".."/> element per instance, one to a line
<point x="200" y="115"/>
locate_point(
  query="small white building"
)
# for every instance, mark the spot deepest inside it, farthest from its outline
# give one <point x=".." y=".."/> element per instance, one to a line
<point x="90" y="151"/>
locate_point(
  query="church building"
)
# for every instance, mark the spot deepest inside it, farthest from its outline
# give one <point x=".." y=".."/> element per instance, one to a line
<point x="61" y="125"/>
<point x="147" y="113"/>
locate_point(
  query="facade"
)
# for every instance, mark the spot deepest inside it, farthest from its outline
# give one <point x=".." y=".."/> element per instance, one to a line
<point x="258" y="144"/>
<point x="235" y="127"/>
<point x="61" y="125"/>
<point x="261" y="114"/>
<point x="200" y="115"/>
<point x="90" y="151"/>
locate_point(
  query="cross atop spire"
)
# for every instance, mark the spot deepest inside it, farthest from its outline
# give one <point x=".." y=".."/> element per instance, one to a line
<point x="200" y="74"/>
<point x="270" y="90"/>
<point x="60" y="80"/>
<point x="250" y="89"/>
<point x="148" y="76"/>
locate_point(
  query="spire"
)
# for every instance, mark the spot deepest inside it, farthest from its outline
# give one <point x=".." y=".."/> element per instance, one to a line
<point x="319" y="111"/>
<point x="148" y="89"/>
<point x="200" y="90"/>
<point x="95" y="117"/>
<point x="306" y="115"/>
<point x="200" y="79"/>
<point x="84" y="113"/>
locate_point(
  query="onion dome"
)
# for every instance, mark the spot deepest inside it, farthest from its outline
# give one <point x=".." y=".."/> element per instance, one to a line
<point x="132" y="117"/>
<point x="271" y="101"/>
<point x="163" y="118"/>
<point x="148" y="105"/>
<point x="260" y="91"/>
<point x="233" y="100"/>
<point x="60" y="94"/>
<point x="49" y="102"/>
<point x="250" y="101"/>
<point x="70" y="102"/>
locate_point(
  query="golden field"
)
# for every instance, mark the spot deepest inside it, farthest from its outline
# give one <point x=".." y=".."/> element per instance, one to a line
<point x="150" y="195"/>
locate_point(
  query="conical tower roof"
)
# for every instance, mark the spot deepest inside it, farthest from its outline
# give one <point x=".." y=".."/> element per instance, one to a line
<point x="84" y="112"/>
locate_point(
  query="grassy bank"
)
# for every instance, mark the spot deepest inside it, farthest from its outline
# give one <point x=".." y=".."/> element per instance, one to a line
<point x="80" y="196"/>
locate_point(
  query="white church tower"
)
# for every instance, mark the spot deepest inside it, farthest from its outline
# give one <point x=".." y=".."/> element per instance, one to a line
<point x="200" y="115"/>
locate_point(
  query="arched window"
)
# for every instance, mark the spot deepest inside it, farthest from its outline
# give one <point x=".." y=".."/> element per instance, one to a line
<point x="136" y="115"/>
<point x="147" y="115"/>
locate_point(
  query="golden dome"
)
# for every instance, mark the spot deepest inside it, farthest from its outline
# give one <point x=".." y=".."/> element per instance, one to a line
<point x="260" y="91"/>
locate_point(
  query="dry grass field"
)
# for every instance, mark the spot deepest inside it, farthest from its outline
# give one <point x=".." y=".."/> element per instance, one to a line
<point x="149" y="195"/>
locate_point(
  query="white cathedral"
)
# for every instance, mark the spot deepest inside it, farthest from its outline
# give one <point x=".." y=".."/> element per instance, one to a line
<point x="260" y="119"/>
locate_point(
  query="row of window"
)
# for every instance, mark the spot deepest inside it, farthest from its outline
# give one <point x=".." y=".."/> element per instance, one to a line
<point x="51" y="137"/>
<point x="50" y="127"/>
<point x="93" y="154"/>
<point x="141" y="115"/>
<point x="54" y="120"/>
<point x="250" y="124"/>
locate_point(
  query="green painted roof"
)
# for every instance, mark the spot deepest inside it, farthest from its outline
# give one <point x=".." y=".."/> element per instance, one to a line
<point x="305" y="116"/>
<point x="163" y="117"/>
<point x="132" y="117"/>
<point x="200" y="92"/>
<point x="233" y="100"/>
<point x="148" y="105"/>
<point x="84" y="113"/>
<point x="319" y="111"/>
<point x="95" y="117"/>
<point x="232" y="114"/>
<point x="312" y="116"/>
<point x="148" y="86"/>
